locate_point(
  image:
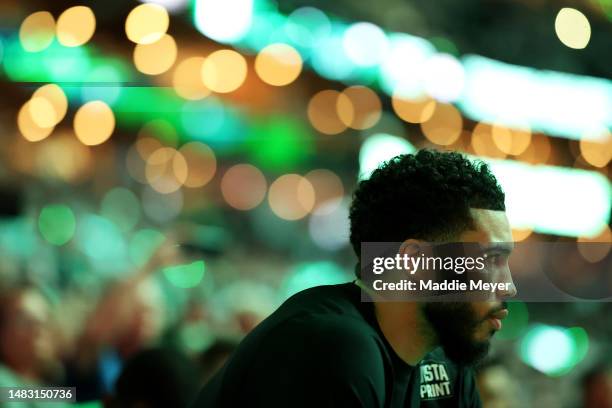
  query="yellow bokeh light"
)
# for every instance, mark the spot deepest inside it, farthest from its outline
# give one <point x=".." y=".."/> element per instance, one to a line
<point x="572" y="28"/>
<point x="37" y="31"/>
<point x="597" y="154"/>
<point x="160" y="129"/>
<point x="201" y="164"/>
<point x="56" y="97"/>
<point x="166" y="170"/>
<point x="94" y="123"/>
<point x="28" y="128"/>
<point x="278" y="64"/>
<point x="42" y="112"/>
<point x="519" y="235"/>
<point x="328" y="188"/>
<point x="76" y="26"/>
<point x="224" y="71"/>
<point x="538" y="151"/>
<point x="137" y="156"/>
<point x="63" y="157"/>
<point x="147" y="23"/>
<point x="187" y="79"/>
<point x="511" y="141"/>
<point x="291" y="197"/>
<point x="444" y="126"/>
<point x="145" y="146"/>
<point x="416" y="110"/>
<point x="155" y="58"/>
<point x="243" y="186"/>
<point x="483" y="144"/>
<point x="325" y="108"/>
<point x="596" y="248"/>
<point x="365" y="110"/>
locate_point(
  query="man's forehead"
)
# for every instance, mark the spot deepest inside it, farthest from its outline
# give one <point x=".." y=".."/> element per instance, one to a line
<point x="488" y="226"/>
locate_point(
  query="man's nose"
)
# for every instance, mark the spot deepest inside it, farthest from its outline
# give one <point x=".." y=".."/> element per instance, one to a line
<point x="507" y="291"/>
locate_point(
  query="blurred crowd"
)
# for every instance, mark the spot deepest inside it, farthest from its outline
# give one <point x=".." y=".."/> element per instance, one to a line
<point x="123" y="352"/>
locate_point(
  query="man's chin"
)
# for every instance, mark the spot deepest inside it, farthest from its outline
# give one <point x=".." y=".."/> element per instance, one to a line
<point x="467" y="354"/>
<point x="458" y="330"/>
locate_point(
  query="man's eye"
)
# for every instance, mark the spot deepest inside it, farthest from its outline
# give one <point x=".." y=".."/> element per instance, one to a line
<point x="494" y="258"/>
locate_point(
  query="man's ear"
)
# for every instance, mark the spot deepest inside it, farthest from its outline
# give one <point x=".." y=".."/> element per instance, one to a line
<point x="411" y="247"/>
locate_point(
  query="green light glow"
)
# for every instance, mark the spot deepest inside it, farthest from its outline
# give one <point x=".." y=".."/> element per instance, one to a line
<point x="516" y="323"/>
<point x="22" y="66"/>
<point x="210" y="121"/>
<point x="163" y="130"/>
<point x="313" y="274"/>
<point x="581" y="341"/>
<point x="19" y="237"/>
<point x="279" y="143"/>
<point x="541" y="197"/>
<point x="57" y="224"/>
<point x="564" y="105"/>
<point x="143" y="245"/>
<point x="560" y="104"/>
<point x="223" y="20"/>
<point x="445" y="45"/>
<point x="554" y="350"/>
<point x="305" y="25"/>
<point x="196" y="336"/>
<point x="104" y="82"/>
<point x="379" y="148"/>
<point x="263" y="24"/>
<point x="185" y="276"/>
<point x="339" y="68"/>
<point x="102" y="241"/>
<point x="66" y="64"/>
<point x="138" y="104"/>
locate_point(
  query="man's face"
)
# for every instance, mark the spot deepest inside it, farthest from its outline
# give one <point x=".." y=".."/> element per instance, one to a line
<point x="464" y="329"/>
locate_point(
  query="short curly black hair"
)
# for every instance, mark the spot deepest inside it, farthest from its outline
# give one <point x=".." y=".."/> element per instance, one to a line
<point x="426" y="195"/>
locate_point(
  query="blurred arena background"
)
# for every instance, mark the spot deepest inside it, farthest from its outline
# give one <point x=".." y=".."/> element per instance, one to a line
<point x="171" y="171"/>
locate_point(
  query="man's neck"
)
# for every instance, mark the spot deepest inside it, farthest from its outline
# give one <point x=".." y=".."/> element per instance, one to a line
<point x="405" y="329"/>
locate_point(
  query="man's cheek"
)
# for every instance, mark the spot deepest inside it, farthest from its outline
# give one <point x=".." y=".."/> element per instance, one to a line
<point x="484" y="331"/>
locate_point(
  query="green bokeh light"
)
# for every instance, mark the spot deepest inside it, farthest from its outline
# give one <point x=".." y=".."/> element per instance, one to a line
<point x="305" y="25"/>
<point x="57" y="224"/>
<point x="103" y="243"/>
<point x="196" y="336"/>
<point x="143" y="245"/>
<point x="313" y="274"/>
<point x="445" y="45"/>
<point x="185" y="276"/>
<point x="279" y="143"/>
<point x="105" y="81"/>
<point x="581" y="341"/>
<point x="138" y="104"/>
<point x="554" y="350"/>
<point x="210" y="121"/>
<point x="339" y="68"/>
<point x="22" y="66"/>
<point x="379" y="148"/>
<point x="19" y="237"/>
<point x="66" y="64"/>
<point x="162" y="130"/>
<point x="122" y="207"/>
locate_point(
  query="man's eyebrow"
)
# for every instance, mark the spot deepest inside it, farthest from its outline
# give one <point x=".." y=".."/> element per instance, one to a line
<point x="498" y="247"/>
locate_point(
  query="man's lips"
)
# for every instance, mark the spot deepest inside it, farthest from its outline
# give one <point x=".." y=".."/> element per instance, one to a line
<point x="496" y="317"/>
<point x="500" y="314"/>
